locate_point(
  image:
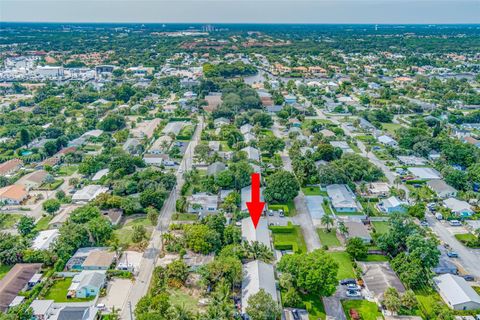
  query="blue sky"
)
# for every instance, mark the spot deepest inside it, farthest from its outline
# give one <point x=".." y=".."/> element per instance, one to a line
<point x="238" y="11"/>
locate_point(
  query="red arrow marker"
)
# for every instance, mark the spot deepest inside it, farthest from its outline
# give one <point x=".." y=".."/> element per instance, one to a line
<point x="255" y="206"/>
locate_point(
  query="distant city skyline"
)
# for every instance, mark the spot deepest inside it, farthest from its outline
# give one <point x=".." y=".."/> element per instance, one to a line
<point x="243" y="11"/>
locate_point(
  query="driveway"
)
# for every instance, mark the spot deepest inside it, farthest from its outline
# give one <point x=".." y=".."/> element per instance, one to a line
<point x="117" y="294"/>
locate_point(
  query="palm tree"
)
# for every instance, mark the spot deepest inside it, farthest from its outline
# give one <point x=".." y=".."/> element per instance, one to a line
<point x="258" y="251"/>
<point x="327" y="221"/>
<point x="342" y="228"/>
<point x="114" y="315"/>
<point x="180" y="312"/>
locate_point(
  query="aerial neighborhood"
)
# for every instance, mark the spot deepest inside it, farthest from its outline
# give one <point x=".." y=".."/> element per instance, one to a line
<point x="126" y="172"/>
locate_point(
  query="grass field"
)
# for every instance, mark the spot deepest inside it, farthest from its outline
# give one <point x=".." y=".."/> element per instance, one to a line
<point x="345" y="267"/>
<point x="42" y="224"/>
<point x="375" y="258"/>
<point x="294" y="237"/>
<point x="8" y="221"/>
<point x="314" y="306"/>
<point x="391" y="127"/>
<point x="67" y="170"/>
<point x="427" y="300"/>
<point x="366" y="309"/>
<point x="58" y="292"/>
<point x="180" y="298"/>
<point x="51" y="186"/>
<point x="124" y="234"/>
<point x="328" y="238"/>
<point x="467" y="239"/>
<point x="381" y="227"/>
<point x="4" y="270"/>
<point x="313" y="191"/>
<point x="185" y="216"/>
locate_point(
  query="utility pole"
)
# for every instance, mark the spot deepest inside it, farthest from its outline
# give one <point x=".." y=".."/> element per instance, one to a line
<point x="130" y="309"/>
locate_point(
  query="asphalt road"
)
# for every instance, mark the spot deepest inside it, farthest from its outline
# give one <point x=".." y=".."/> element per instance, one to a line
<point x="150" y="255"/>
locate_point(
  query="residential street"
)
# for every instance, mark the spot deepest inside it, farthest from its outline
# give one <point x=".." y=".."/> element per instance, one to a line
<point x="150" y="256"/>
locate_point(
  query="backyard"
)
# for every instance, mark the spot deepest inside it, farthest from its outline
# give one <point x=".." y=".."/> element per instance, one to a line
<point x="58" y="292"/>
<point x="328" y="239"/>
<point x="288" y="238"/>
<point x="313" y="191"/>
<point x="381" y="227"/>
<point x="345" y="267"/>
<point x="124" y="234"/>
<point x="42" y="224"/>
<point x="8" y="221"/>
<point x="366" y="309"/>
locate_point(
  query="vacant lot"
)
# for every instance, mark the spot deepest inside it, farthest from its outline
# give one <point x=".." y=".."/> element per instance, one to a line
<point x="328" y="238"/>
<point x="124" y="234"/>
<point x="345" y="267"/>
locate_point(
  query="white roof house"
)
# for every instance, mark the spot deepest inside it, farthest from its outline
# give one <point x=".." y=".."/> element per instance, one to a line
<point x="246" y="196"/>
<point x="456" y="292"/>
<point x="252" y="153"/>
<point x="379" y="188"/>
<point x="88" y="193"/>
<point x="392" y="204"/>
<point x="412" y="160"/>
<point x="441" y="188"/>
<point x="257" y="275"/>
<point x="249" y="137"/>
<point x="342" y="145"/>
<point x="425" y="173"/>
<point x="174" y="127"/>
<point x="252" y="234"/>
<point x="342" y="198"/>
<point x="44" y="239"/>
<point x="386" y="140"/>
<point x="41" y="308"/>
<point x="202" y="203"/>
<point x="246" y="128"/>
<point x="458" y="207"/>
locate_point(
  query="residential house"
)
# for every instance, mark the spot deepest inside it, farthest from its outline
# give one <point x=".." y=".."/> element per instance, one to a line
<point x="76" y="261"/>
<point x="87" y="284"/>
<point x="412" y="160"/>
<point x="214" y="99"/>
<point x="44" y="239"/>
<point x="42" y="309"/>
<point x="88" y="193"/>
<point x="249" y="137"/>
<point x="252" y="153"/>
<point x="290" y="99"/>
<point x="220" y="122"/>
<point x="34" y="179"/>
<point x="13" y="194"/>
<point x="259" y="234"/>
<point x="100" y="174"/>
<point x="99" y="260"/>
<point x="10" y="167"/>
<point x="459" y="208"/>
<point x="472" y="141"/>
<point x="327" y="133"/>
<point x="442" y="189"/>
<point x="274" y="109"/>
<point x="246" y="196"/>
<point x="425" y="173"/>
<point x="161" y="145"/>
<point x="76" y="312"/>
<point x="356" y="229"/>
<point x="391" y="205"/>
<point x="342" y="198"/>
<point x="387" y="141"/>
<point x="379" y="189"/>
<point x="132" y="146"/>
<point x="246" y="128"/>
<point x="14" y="282"/>
<point x="174" y="127"/>
<point x="113" y="215"/>
<point x="294" y="122"/>
<point x="61" y="217"/>
<point x="215" y="168"/>
<point x="257" y="275"/>
<point x="456" y="292"/>
<point x="342" y="145"/>
<point x="202" y="203"/>
<point x="145" y="128"/>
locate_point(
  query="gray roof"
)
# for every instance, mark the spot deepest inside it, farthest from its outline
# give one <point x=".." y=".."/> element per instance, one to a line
<point x="252" y="153"/>
<point x="257" y="275"/>
<point x="40" y="307"/>
<point x="455" y="289"/>
<point x="425" y="173"/>
<point x="92" y="278"/>
<point x="341" y="196"/>
<point x="76" y="313"/>
<point x="215" y="168"/>
<point x="440" y="186"/>
<point x="260" y="234"/>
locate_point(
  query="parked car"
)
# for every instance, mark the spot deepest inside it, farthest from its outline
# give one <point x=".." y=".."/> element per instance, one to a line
<point x="281" y="213"/>
<point x="344" y="282"/>
<point x="455" y="223"/>
<point x="452" y="254"/>
<point x="353" y="293"/>
<point x="270" y="213"/>
<point x="353" y="286"/>
<point x="469" y="277"/>
<point x="424" y="223"/>
<point x="439" y="216"/>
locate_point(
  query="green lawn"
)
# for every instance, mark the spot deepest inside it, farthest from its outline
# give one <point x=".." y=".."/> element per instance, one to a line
<point x="185" y="216"/>
<point x="281" y="239"/>
<point x="180" y="298"/>
<point x="427" y="300"/>
<point x="468" y="239"/>
<point x="381" y="227"/>
<point x="4" y="270"/>
<point x="366" y="309"/>
<point x="345" y="267"/>
<point x="375" y="258"/>
<point x="328" y="238"/>
<point x="313" y="191"/>
<point x="124" y="234"/>
<point x="51" y="186"/>
<point x="42" y="224"/>
<point x="314" y="306"/>
<point x="391" y="127"/>
<point x="288" y="209"/>
<point x="67" y="170"/>
<point x="8" y="221"/>
<point x="58" y="292"/>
